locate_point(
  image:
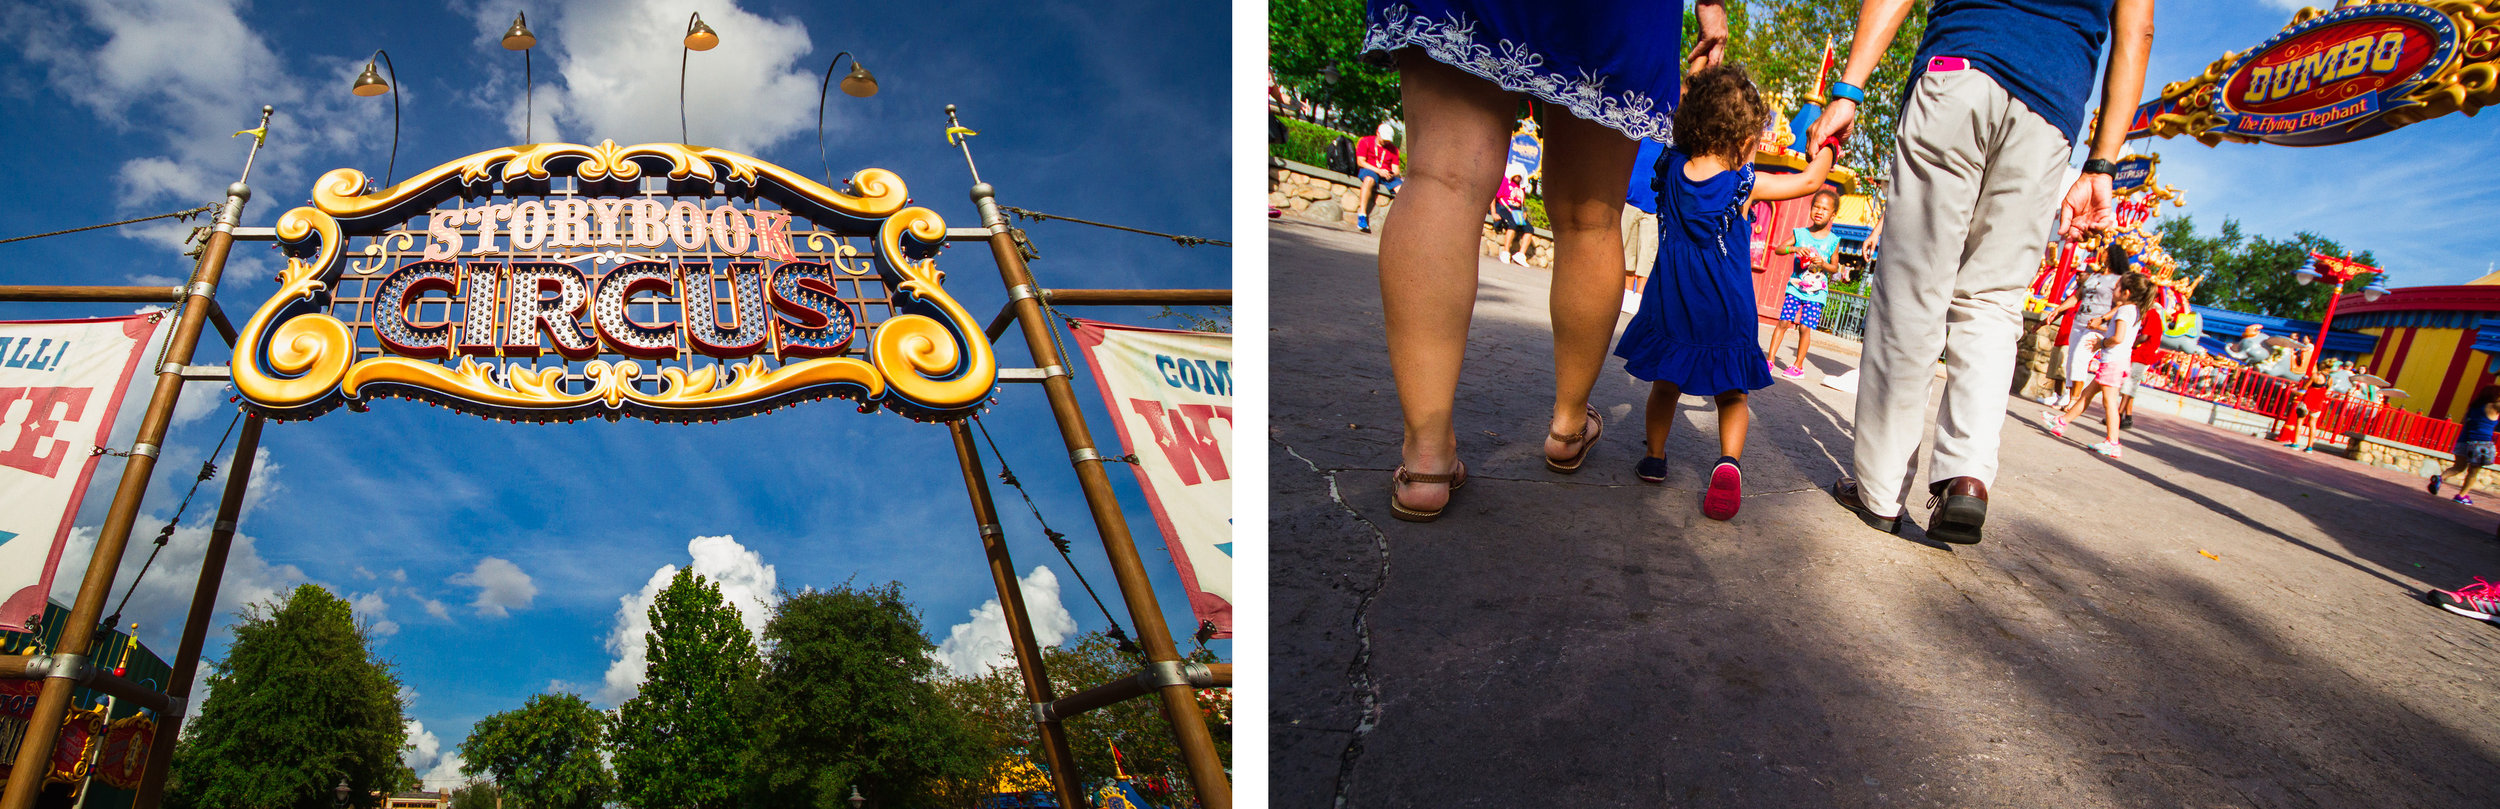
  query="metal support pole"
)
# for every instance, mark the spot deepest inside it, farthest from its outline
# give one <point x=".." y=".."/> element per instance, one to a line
<point x="1180" y="702"/>
<point x="43" y="728"/>
<point x="203" y="610"/>
<point x="1063" y="776"/>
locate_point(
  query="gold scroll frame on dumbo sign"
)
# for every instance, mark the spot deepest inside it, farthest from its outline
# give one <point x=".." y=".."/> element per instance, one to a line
<point x="927" y="360"/>
<point x="2458" y="72"/>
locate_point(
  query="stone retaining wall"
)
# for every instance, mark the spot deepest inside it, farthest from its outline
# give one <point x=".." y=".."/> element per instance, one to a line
<point x="1316" y="194"/>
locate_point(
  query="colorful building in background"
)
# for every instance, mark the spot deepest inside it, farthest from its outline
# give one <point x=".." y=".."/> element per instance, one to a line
<point x="2439" y="344"/>
<point x="103" y="747"/>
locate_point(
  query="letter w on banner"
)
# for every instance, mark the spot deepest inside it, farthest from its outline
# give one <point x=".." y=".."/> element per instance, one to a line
<point x="60" y="383"/>
<point x="1172" y="394"/>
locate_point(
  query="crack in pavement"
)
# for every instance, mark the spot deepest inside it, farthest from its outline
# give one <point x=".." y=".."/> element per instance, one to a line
<point x="1359" y="672"/>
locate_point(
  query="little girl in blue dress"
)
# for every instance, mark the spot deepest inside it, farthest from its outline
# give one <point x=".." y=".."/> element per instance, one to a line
<point x="1696" y="331"/>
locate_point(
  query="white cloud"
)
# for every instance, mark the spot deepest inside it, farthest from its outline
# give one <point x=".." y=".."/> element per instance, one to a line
<point x="501" y="587"/>
<point x="975" y="646"/>
<point x="432" y="607"/>
<point x="163" y="599"/>
<point x="376" y="613"/>
<point x="424" y="754"/>
<point x="744" y="580"/>
<point x="609" y="80"/>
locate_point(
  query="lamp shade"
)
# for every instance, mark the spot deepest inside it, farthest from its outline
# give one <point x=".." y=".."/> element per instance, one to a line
<point x="859" y="84"/>
<point x="699" y="36"/>
<point x="2307" y="274"/>
<point x="2377" y="287"/>
<point x="370" y="83"/>
<point x="518" y="37"/>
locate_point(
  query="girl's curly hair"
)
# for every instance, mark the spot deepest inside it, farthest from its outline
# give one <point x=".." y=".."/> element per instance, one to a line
<point x="1722" y="113"/>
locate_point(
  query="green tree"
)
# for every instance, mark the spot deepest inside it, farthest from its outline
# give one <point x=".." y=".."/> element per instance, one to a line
<point x="849" y="699"/>
<point x="995" y="702"/>
<point x="2254" y="274"/>
<point x="1314" y="48"/>
<point x="678" y="742"/>
<point x="475" y="794"/>
<point x="545" y="753"/>
<point x="298" y="704"/>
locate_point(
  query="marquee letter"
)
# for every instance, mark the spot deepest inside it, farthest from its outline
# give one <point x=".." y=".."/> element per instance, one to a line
<point x="729" y="230"/>
<point x="486" y="218"/>
<point x="531" y="312"/>
<point x="392" y="321"/>
<point x="685" y="226"/>
<point x="529" y="225"/>
<point x="2391" y="48"/>
<point x="772" y="235"/>
<point x="2260" y="81"/>
<point x="745" y="329"/>
<point x="572" y="223"/>
<point x="650" y="224"/>
<point x="442" y="232"/>
<point x="608" y="309"/>
<point x="477" y="331"/>
<point x="814" y="322"/>
<point x="2355" y="58"/>
<point x="606" y="212"/>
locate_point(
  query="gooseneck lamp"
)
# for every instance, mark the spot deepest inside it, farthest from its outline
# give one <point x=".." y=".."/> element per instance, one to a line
<point x="859" y="84"/>
<point x="519" y="38"/>
<point x="699" y="37"/>
<point x="369" y="84"/>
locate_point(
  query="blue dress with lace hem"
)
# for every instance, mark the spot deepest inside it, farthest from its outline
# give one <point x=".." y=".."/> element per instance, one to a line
<point x="1614" y="62"/>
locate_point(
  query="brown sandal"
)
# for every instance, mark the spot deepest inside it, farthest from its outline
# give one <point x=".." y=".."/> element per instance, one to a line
<point x="1586" y="440"/>
<point x="1402" y="477"/>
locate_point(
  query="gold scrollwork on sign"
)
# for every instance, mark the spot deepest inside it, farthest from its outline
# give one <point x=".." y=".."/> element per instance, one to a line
<point x="928" y="359"/>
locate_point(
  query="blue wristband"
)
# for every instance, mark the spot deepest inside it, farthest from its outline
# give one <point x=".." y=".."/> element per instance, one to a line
<point x="1842" y="89"/>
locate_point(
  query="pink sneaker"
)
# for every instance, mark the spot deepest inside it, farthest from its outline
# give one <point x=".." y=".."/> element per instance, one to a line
<point x="1727" y="490"/>
<point x="2055" y="423"/>
<point x="2479" y="601"/>
<point x="2107" y="449"/>
<point x="1793" y="372"/>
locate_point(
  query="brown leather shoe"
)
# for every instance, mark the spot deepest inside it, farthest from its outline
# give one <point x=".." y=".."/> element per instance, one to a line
<point x="1846" y="492"/>
<point x="1961" y="508"/>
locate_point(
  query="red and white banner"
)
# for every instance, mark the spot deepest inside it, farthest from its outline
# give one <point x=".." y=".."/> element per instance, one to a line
<point x="1174" y="390"/>
<point x="60" y="383"/>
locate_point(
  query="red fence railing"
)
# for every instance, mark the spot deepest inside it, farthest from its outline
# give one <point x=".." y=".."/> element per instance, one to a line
<point x="2242" y="388"/>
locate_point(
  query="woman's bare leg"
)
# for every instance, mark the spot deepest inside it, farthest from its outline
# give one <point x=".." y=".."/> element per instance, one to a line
<point x="1459" y="129"/>
<point x="1587" y="168"/>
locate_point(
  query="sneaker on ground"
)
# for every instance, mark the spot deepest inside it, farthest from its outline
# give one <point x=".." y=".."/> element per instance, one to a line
<point x="1727" y="490"/>
<point x="1793" y="372"/>
<point x="1522" y="256"/>
<point x="2434" y="487"/>
<point x="1653" y="470"/>
<point x="2055" y="422"/>
<point x="2126" y="422"/>
<point x="1505" y="257"/>
<point x="1363" y="223"/>
<point x="2107" y="449"/>
<point x="2479" y="601"/>
<point x="2463" y="498"/>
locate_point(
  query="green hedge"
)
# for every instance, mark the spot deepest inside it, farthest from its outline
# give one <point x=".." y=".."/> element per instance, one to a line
<point x="1305" y="142"/>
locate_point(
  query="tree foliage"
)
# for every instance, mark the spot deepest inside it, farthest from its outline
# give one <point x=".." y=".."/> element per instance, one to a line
<point x="677" y="744"/>
<point x="475" y="794"/>
<point x="544" y="754"/>
<point x="849" y="699"/>
<point x="2254" y="274"/>
<point x="299" y="703"/>
<point x="1314" y="49"/>
<point x="995" y="701"/>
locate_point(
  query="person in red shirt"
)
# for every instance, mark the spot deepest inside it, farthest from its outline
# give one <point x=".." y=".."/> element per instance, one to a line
<point x="2147" y="351"/>
<point x="1377" y="155"/>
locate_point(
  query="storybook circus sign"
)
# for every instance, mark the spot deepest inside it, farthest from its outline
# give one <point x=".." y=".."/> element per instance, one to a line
<point x="2338" y="76"/>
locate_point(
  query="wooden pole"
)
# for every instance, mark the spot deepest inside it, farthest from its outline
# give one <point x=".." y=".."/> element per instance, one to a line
<point x="1180" y="701"/>
<point x="43" y="728"/>
<point x="1037" y="691"/>
<point x="203" y="611"/>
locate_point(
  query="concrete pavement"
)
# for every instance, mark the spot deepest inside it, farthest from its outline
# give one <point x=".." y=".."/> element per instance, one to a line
<point x="2211" y="621"/>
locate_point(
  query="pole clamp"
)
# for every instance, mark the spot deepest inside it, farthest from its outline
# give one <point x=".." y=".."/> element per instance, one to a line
<point x="203" y="289"/>
<point x="171" y="367"/>
<point x="1021" y="292"/>
<point x="177" y="707"/>
<point x="1164" y="673"/>
<point x="1083" y="454"/>
<point x="223" y="525"/>
<point x="990" y="530"/>
<point x="143" y="448"/>
<point x="1043" y="715"/>
<point x="62" y="666"/>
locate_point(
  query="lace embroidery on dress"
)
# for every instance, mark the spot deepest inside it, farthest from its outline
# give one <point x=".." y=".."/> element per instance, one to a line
<point x="1518" y="68"/>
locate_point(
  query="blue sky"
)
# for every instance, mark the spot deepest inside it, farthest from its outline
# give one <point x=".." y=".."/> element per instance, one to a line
<point x="2403" y="196"/>
<point x="492" y="559"/>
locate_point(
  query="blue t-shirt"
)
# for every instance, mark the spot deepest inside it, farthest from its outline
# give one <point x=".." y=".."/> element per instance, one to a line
<point x="2043" y="52"/>
<point x="1805" y="284"/>
<point x="1644" y="192"/>
<point x="2477" y="426"/>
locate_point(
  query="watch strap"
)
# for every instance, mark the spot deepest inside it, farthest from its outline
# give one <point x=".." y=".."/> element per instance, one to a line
<point x="2099" y="166"/>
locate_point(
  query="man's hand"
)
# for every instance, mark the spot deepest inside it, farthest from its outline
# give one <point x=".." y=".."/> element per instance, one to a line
<point x="1838" y="116"/>
<point x="2089" y="209"/>
<point x="1711" y="45"/>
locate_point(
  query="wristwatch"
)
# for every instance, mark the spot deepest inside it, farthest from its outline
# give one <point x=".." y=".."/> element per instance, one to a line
<point x="2099" y="166"/>
<point x="1842" y="89"/>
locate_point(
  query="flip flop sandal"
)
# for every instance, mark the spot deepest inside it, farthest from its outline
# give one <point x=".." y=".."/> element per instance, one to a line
<point x="1586" y="440"/>
<point x="1402" y="477"/>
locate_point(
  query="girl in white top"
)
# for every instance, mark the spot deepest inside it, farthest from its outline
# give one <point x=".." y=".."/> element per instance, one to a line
<point x="2116" y="329"/>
